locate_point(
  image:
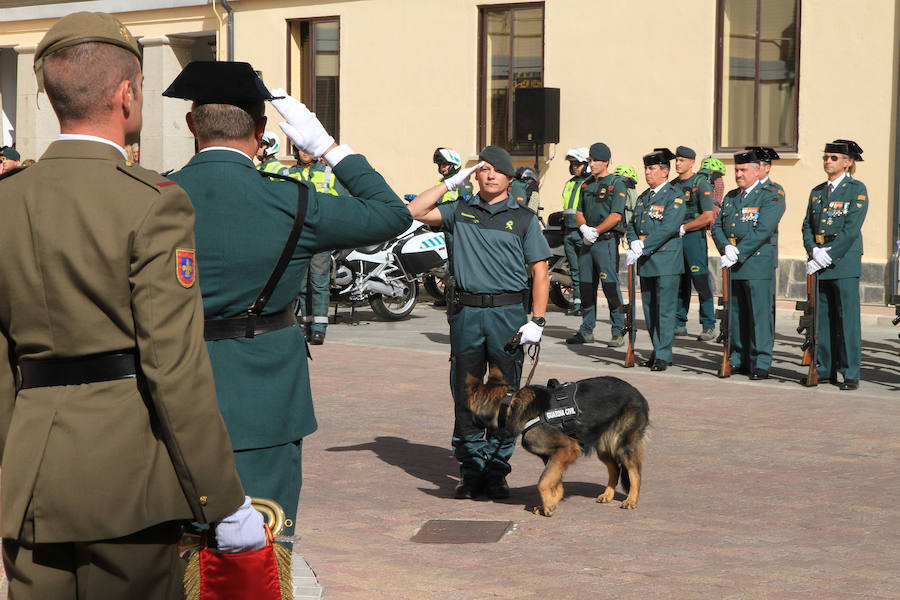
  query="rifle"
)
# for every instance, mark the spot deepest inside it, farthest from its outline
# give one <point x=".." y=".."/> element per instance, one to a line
<point x="628" y="309"/>
<point x="809" y="324"/>
<point x="724" y="314"/>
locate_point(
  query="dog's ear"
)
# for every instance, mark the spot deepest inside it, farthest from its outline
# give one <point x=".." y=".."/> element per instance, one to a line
<point x="495" y="376"/>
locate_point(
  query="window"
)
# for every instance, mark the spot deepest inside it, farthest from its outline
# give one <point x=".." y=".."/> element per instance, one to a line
<point x="314" y="68"/>
<point x="511" y="55"/>
<point x="757" y="63"/>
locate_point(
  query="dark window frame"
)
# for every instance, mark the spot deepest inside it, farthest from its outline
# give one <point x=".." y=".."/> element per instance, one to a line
<point x="720" y="65"/>
<point x="308" y="84"/>
<point x="483" y="70"/>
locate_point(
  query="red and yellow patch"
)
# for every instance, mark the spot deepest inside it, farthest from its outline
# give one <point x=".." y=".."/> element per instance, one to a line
<point x="165" y="183"/>
<point x="185" y="267"/>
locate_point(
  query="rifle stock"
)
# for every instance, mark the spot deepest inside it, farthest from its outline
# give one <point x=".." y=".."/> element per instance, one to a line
<point x="810" y="350"/>
<point x="725" y="325"/>
<point x="629" y="319"/>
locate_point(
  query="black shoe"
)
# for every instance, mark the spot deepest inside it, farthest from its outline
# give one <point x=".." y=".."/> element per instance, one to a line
<point x="577" y="311"/>
<point x="759" y="374"/>
<point x="497" y="488"/>
<point x="649" y="362"/>
<point x="440" y="302"/>
<point x="317" y="338"/>
<point x="850" y="384"/>
<point x="467" y="489"/>
<point x="658" y="365"/>
<point x="740" y="370"/>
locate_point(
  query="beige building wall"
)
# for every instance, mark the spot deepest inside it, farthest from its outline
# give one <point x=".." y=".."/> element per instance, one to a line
<point x="632" y="74"/>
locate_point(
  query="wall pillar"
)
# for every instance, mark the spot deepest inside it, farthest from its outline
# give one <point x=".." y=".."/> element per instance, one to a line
<point x="36" y="124"/>
<point x="166" y="142"/>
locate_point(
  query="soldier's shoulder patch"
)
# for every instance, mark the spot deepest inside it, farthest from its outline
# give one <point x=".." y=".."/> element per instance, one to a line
<point x="707" y="193"/>
<point x="622" y="194"/>
<point x="861" y="197"/>
<point x="185" y="266"/>
<point x="781" y="192"/>
<point x="165" y="183"/>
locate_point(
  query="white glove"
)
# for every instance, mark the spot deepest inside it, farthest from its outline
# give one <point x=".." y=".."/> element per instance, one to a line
<point x="732" y="253"/>
<point x="631" y="257"/>
<point x="588" y="234"/>
<point x="531" y="333"/>
<point x="727" y="262"/>
<point x="681" y="231"/>
<point x="242" y="530"/>
<point x="460" y="178"/>
<point x="638" y="246"/>
<point x="821" y="256"/>
<point x="813" y="266"/>
<point x="302" y="126"/>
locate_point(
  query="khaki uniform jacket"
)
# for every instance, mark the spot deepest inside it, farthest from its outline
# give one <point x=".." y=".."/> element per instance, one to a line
<point x="88" y="265"/>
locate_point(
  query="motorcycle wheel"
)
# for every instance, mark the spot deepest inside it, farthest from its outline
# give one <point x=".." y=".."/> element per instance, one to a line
<point x="561" y="295"/>
<point x="434" y="286"/>
<point x="394" y="309"/>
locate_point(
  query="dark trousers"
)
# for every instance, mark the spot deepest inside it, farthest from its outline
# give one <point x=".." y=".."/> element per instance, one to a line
<point x="839" y="335"/>
<point x="658" y="296"/>
<point x="274" y="473"/>
<point x="599" y="267"/>
<point x="752" y="336"/>
<point x="572" y="243"/>
<point x="142" y="565"/>
<point x="477" y="339"/>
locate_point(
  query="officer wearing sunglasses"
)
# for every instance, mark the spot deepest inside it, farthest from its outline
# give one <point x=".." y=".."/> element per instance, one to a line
<point x="832" y="235"/>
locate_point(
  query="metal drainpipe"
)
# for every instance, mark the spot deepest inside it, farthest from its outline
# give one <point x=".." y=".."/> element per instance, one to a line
<point x="230" y="29"/>
<point x="894" y="262"/>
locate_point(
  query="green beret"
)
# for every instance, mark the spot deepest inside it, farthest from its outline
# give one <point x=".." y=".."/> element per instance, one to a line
<point x="685" y="152"/>
<point x="600" y="151"/>
<point x="499" y="158"/>
<point x="11" y="154"/>
<point x="79" y="28"/>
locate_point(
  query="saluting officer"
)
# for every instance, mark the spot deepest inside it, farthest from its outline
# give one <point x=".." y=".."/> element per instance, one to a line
<point x="742" y="233"/>
<point x="601" y="219"/>
<point x="244" y="225"/>
<point x="580" y="172"/>
<point x="656" y="248"/>
<point x="498" y="245"/>
<point x="113" y="440"/>
<point x="832" y="236"/>
<point x="698" y="215"/>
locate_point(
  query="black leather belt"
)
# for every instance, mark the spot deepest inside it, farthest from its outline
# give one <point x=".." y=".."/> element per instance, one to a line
<point x="824" y="239"/>
<point x="491" y="300"/>
<point x="247" y="326"/>
<point x="78" y="370"/>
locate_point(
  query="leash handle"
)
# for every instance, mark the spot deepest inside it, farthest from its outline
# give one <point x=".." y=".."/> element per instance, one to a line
<point x="513" y="341"/>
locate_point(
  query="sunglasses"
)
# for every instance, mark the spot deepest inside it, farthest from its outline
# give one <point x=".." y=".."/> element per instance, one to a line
<point x="834" y="157"/>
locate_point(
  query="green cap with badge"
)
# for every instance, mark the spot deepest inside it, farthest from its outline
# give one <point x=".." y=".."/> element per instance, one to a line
<point x="685" y="152"/>
<point x="499" y="158"/>
<point x="600" y="151"/>
<point x="80" y="28"/>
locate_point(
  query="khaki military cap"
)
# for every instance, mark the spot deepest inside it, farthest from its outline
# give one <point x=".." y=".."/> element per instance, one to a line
<point x="79" y="28"/>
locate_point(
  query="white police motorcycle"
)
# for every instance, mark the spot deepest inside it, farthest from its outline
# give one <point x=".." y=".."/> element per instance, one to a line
<point x="385" y="275"/>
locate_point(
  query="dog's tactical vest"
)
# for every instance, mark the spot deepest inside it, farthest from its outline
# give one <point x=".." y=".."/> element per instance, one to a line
<point x="562" y="412"/>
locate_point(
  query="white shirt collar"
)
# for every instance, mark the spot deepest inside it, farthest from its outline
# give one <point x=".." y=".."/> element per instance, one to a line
<point x="208" y="148"/>
<point x="835" y="183"/>
<point x="750" y="189"/>
<point x="764" y="180"/>
<point x="93" y="138"/>
<point x="659" y="187"/>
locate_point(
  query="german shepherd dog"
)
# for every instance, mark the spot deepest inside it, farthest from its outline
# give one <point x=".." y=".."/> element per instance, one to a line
<point x="612" y="419"/>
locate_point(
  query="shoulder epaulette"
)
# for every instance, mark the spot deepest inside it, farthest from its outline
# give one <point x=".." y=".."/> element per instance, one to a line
<point x="149" y="178"/>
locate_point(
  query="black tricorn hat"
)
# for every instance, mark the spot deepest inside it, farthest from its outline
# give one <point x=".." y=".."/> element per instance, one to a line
<point x="764" y="153"/>
<point x="219" y="82"/>
<point x="748" y="156"/>
<point x="848" y="147"/>
<point x="659" y="156"/>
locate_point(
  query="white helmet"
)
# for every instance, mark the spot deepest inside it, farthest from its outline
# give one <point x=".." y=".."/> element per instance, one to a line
<point x="577" y="154"/>
<point x="271" y="141"/>
<point x="446" y="155"/>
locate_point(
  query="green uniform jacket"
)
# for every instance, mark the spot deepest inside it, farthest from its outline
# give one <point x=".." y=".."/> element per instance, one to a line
<point x="841" y="216"/>
<point x="88" y="265"/>
<point x="749" y="224"/>
<point x="698" y="195"/>
<point x="656" y="221"/>
<point x="243" y="221"/>
<point x="602" y="197"/>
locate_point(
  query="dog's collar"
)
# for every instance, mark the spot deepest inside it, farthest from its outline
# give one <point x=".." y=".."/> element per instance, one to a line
<point x="503" y="413"/>
<point x="530" y="424"/>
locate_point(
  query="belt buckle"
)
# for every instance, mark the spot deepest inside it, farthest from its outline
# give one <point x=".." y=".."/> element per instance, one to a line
<point x="820" y="239"/>
<point x="642" y="237"/>
<point x="732" y="240"/>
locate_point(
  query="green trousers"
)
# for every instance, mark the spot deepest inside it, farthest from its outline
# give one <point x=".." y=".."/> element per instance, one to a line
<point x="658" y="296"/>
<point x="572" y="244"/>
<point x="477" y="339"/>
<point x="142" y="565"/>
<point x="314" y="293"/>
<point x="273" y="473"/>
<point x="696" y="274"/>
<point x="599" y="267"/>
<point x="839" y="334"/>
<point x="752" y="334"/>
